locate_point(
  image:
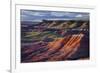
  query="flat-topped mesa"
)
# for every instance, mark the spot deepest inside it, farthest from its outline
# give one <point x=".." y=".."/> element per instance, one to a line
<point x="63" y="24"/>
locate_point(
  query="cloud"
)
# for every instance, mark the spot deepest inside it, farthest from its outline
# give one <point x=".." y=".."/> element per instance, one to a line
<point x="63" y="14"/>
<point x="79" y="15"/>
<point x="32" y="15"/>
<point x="57" y="14"/>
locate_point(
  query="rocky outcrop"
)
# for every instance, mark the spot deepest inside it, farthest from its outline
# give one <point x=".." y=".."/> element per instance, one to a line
<point x="57" y="41"/>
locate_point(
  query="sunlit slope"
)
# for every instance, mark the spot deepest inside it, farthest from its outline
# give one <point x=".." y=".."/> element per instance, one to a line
<point x="55" y="41"/>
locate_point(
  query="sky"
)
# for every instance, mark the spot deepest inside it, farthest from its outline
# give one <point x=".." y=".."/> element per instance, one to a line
<point x="38" y="15"/>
